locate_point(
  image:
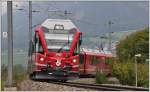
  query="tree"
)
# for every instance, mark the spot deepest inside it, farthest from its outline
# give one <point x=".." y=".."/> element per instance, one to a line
<point x="137" y="42"/>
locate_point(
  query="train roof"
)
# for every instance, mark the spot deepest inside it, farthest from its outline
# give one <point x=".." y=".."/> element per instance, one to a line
<point x="94" y="52"/>
<point x="50" y="23"/>
<point x="99" y="54"/>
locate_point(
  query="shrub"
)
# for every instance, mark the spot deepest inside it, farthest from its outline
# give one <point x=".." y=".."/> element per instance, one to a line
<point x="2" y="85"/>
<point x="125" y="72"/>
<point x="124" y="67"/>
<point x="100" y="77"/>
<point x="143" y="76"/>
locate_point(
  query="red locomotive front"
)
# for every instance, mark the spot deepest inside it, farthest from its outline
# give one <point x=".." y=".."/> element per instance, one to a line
<point x="55" y="51"/>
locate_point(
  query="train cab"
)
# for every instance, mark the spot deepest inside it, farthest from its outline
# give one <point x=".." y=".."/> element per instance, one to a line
<point x="55" y="50"/>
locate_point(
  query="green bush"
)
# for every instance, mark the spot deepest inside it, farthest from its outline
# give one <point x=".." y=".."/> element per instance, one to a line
<point x="143" y="76"/>
<point x="100" y="77"/>
<point x="124" y="67"/>
<point x="125" y="72"/>
<point x="2" y="85"/>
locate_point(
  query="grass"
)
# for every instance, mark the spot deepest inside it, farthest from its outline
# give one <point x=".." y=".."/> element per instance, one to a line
<point x="20" y="65"/>
<point x="19" y="74"/>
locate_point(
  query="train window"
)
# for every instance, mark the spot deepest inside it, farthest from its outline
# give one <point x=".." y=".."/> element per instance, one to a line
<point x="77" y="49"/>
<point x="32" y="47"/>
<point x="59" y="40"/>
<point x="94" y="60"/>
<point x="40" y="47"/>
<point x="58" y="27"/>
<point x="81" y="58"/>
<point x="38" y="44"/>
<point x="80" y="40"/>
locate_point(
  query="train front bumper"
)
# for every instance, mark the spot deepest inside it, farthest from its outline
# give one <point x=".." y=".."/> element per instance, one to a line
<point x="57" y="74"/>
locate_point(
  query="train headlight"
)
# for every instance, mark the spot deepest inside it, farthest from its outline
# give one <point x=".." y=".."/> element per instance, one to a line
<point x="41" y="59"/>
<point x="58" y="63"/>
<point x="74" y="60"/>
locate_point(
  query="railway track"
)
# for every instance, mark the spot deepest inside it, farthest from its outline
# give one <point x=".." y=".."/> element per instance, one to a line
<point x="102" y="87"/>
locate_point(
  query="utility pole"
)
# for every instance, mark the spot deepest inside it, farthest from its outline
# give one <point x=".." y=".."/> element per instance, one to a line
<point x="30" y="36"/>
<point x="30" y="27"/>
<point x="10" y="43"/>
<point x="102" y="42"/>
<point x="0" y="26"/>
<point x="109" y="33"/>
<point x="67" y="13"/>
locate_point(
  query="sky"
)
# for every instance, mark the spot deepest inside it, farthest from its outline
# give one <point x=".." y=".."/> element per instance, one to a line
<point x="89" y="16"/>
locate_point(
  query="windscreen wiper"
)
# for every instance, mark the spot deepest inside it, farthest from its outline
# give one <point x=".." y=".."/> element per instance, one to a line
<point x="63" y="46"/>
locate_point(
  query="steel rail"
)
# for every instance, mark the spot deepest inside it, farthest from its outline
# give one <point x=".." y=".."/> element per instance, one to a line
<point x="102" y="87"/>
<point x="117" y="86"/>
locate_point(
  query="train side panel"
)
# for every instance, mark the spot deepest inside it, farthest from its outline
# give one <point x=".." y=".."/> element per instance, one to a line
<point x="89" y="64"/>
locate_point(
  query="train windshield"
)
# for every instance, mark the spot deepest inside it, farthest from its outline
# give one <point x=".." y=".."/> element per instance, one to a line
<point x="58" y="40"/>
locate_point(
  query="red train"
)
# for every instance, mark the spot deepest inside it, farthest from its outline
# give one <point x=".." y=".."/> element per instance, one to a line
<point x="55" y="52"/>
<point x="90" y="62"/>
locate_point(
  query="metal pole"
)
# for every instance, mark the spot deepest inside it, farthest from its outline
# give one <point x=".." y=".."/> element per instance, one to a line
<point x="109" y="34"/>
<point x="10" y="42"/>
<point x="135" y="71"/>
<point x="30" y="36"/>
<point x="0" y="29"/>
<point x="30" y="27"/>
<point x="30" y="20"/>
<point x="102" y="43"/>
<point x="109" y="41"/>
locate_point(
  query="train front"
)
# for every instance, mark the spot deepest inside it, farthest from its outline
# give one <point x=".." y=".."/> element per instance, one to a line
<point x="57" y="50"/>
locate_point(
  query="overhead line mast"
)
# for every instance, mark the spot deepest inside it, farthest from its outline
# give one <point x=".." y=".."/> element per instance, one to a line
<point x="10" y="43"/>
<point x="30" y="27"/>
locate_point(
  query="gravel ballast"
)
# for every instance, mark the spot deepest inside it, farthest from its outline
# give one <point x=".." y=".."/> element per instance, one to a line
<point x="30" y="85"/>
